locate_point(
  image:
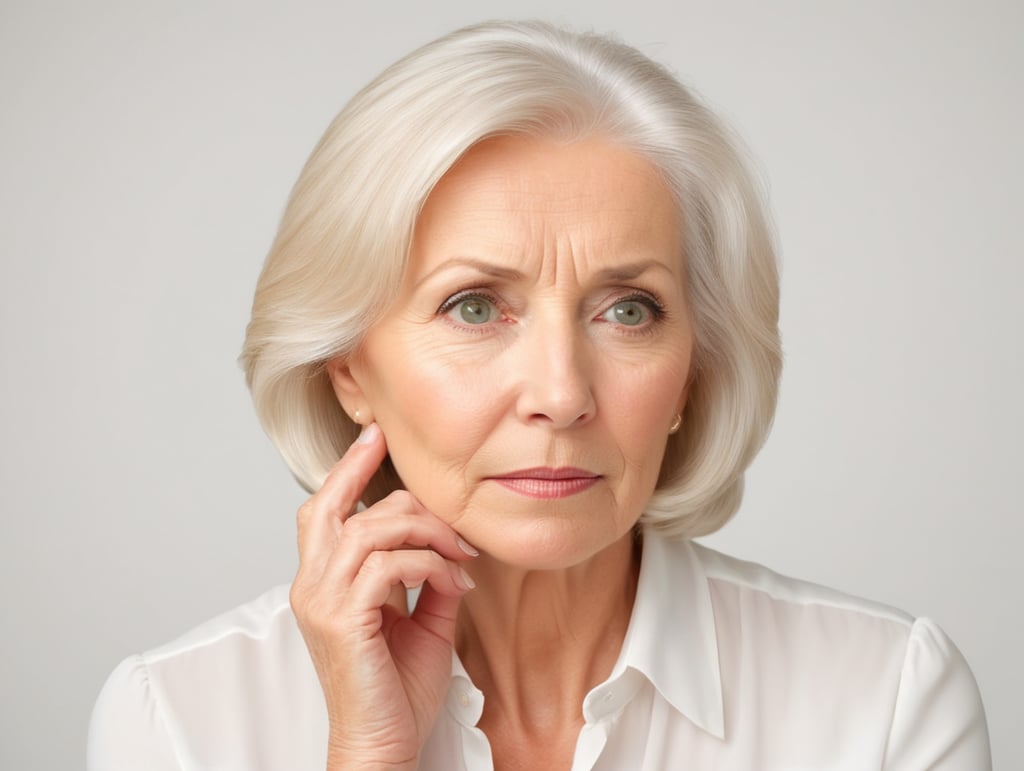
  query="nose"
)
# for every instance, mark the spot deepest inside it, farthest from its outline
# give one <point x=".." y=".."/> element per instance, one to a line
<point x="556" y="387"/>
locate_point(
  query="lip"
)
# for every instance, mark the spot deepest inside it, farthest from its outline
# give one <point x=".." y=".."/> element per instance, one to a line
<point x="544" y="482"/>
<point x="544" y="472"/>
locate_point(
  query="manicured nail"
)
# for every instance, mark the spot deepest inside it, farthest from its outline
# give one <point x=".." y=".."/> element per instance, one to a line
<point x="466" y="580"/>
<point x="466" y="547"/>
<point x="368" y="434"/>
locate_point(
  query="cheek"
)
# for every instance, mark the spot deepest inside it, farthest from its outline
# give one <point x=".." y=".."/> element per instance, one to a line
<point x="640" y="403"/>
<point x="646" y="393"/>
<point x="435" y="412"/>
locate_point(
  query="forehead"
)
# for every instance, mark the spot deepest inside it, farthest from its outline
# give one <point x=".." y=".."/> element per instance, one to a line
<point x="514" y="195"/>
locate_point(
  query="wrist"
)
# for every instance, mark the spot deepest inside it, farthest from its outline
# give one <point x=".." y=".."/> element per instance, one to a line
<point x="345" y="759"/>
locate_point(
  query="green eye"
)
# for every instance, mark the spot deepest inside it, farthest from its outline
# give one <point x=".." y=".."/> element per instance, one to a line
<point x="629" y="313"/>
<point x="473" y="311"/>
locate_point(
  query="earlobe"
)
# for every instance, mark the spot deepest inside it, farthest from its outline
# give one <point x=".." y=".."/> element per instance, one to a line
<point x="681" y="404"/>
<point x="677" y="421"/>
<point x="348" y="391"/>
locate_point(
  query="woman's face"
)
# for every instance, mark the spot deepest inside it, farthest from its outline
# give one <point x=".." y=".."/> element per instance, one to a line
<point x="528" y="373"/>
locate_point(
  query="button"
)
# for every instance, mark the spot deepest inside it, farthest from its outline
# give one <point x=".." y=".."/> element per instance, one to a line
<point x="463" y="699"/>
<point x="609" y="695"/>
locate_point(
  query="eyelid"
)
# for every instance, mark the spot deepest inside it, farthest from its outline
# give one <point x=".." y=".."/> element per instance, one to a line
<point x="651" y="300"/>
<point x="468" y="294"/>
<point x="654" y="308"/>
<point x="647" y="298"/>
<point x="444" y="312"/>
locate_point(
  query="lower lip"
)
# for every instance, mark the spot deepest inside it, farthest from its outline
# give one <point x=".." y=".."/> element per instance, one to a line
<point x="532" y="487"/>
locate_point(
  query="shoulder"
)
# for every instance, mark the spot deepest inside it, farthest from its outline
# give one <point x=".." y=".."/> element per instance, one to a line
<point x="755" y="586"/>
<point x="233" y="686"/>
<point x="866" y="666"/>
<point x="778" y="632"/>
<point x="802" y="626"/>
<point x="260" y="625"/>
<point x="242" y="653"/>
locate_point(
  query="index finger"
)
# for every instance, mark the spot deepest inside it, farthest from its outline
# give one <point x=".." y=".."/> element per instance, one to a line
<point x="334" y="502"/>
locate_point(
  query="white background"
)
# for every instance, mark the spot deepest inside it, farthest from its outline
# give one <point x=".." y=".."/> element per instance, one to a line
<point x="146" y="150"/>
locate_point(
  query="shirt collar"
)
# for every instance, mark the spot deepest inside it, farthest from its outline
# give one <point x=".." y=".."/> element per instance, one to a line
<point x="670" y="640"/>
<point x="671" y="637"/>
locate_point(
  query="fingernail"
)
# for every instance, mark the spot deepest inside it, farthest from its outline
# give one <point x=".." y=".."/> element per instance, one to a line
<point x="466" y="580"/>
<point x="368" y="434"/>
<point x="466" y="547"/>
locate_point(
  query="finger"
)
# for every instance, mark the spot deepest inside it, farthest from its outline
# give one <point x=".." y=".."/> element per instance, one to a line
<point x="390" y="525"/>
<point x="437" y="613"/>
<point x="320" y="517"/>
<point x="384" y="569"/>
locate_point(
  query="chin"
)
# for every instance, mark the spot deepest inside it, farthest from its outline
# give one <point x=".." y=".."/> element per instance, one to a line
<point x="546" y="543"/>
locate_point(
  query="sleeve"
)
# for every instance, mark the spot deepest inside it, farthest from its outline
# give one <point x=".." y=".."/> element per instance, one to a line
<point x="939" y="720"/>
<point x="127" y="731"/>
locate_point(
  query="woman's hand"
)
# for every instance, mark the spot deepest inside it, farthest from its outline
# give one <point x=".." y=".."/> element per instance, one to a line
<point x="384" y="671"/>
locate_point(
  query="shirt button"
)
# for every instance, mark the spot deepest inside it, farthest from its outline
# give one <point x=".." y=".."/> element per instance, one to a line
<point x="463" y="699"/>
<point x="609" y="696"/>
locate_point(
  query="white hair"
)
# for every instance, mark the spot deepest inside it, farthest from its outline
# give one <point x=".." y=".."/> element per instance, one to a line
<point x="342" y="245"/>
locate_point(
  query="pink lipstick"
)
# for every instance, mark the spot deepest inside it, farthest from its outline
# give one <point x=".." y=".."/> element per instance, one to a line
<point x="543" y="482"/>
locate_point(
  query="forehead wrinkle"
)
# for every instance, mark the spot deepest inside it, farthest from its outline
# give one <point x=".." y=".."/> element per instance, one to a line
<point x="579" y="245"/>
<point x="584" y="216"/>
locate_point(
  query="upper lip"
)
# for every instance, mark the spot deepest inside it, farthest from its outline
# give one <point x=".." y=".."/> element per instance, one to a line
<point x="544" y="472"/>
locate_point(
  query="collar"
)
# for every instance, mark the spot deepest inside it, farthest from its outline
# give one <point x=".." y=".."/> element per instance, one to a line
<point x="671" y="638"/>
<point x="670" y="641"/>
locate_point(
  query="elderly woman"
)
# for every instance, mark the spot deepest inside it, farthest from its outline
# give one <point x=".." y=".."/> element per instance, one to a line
<point x="517" y="335"/>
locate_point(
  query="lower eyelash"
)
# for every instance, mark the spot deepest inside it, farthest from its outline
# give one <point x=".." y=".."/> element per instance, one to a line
<point x="652" y="302"/>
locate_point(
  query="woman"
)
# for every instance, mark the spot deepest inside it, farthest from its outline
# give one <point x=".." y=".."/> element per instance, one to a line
<point x="525" y="290"/>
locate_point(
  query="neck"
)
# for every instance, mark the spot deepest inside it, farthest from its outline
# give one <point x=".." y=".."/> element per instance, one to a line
<point x="535" y="642"/>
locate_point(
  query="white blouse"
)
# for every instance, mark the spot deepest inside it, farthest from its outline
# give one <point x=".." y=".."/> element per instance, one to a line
<point x="725" y="665"/>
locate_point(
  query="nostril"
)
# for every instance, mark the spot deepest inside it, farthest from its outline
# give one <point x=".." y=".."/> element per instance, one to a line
<point x="560" y="408"/>
<point x="556" y="386"/>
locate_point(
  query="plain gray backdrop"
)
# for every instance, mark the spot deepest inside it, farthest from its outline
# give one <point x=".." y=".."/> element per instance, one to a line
<point x="146" y="151"/>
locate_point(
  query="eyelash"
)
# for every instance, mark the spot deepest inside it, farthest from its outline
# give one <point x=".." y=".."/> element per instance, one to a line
<point x="653" y="304"/>
<point x="476" y="293"/>
<point x="648" y="299"/>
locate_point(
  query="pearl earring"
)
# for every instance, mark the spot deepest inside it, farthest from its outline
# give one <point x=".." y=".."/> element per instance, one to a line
<point x="677" y="421"/>
<point x="356" y="417"/>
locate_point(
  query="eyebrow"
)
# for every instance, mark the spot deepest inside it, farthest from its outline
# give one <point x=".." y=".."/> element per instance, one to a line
<point x="631" y="270"/>
<point x="626" y="272"/>
<point x="490" y="269"/>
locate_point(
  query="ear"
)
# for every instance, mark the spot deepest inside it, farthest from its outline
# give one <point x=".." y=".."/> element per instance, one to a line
<point x="348" y="391"/>
<point x="691" y="377"/>
<point x="681" y="404"/>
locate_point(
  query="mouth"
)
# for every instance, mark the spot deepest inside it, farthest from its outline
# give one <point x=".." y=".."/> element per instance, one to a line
<point x="544" y="482"/>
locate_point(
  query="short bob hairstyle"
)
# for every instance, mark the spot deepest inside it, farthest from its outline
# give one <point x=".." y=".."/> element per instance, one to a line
<point x="341" y="248"/>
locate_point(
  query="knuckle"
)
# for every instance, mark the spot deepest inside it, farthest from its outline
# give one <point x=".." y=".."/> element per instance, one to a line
<point x="428" y="563"/>
<point x="375" y="562"/>
<point x="357" y="533"/>
<point x="402" y="499"/>
<point x="306" y="511"/>
<point x="355" y="526"/>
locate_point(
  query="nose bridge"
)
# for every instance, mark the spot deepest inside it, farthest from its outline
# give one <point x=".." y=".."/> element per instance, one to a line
<point x="556" y="372"/>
